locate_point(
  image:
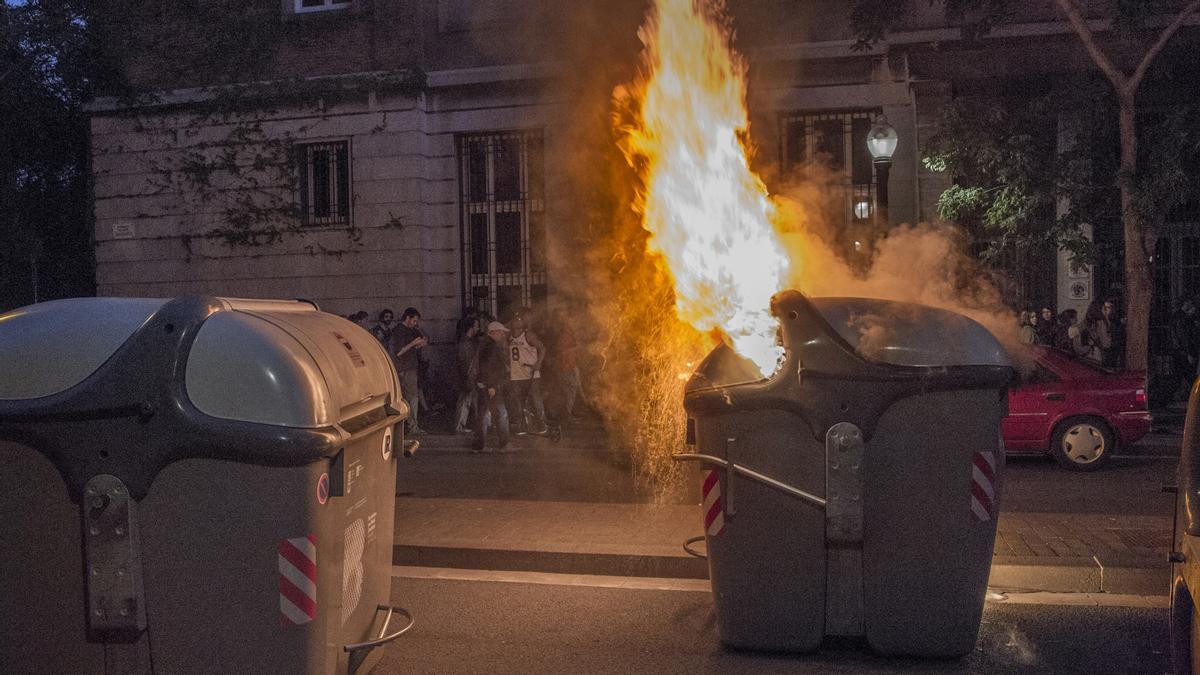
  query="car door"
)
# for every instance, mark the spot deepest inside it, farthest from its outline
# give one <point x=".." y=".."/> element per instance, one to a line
<point x="1031" y="408"/>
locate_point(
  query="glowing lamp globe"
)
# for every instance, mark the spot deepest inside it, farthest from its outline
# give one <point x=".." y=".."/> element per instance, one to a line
<point x="881" y="140"/>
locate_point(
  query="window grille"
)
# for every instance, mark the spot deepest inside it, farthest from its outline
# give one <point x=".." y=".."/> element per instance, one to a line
<point x="838" y="140"/>
<point x="324" y="182"/>
<point x="1174" y="269"/>
<point x="503" y="220"/>
<point x="302" y="6"/>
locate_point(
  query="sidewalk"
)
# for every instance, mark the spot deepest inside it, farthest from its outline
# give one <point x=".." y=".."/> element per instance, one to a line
<point x="570" y="506"/>
<point x="1034" y="551"/>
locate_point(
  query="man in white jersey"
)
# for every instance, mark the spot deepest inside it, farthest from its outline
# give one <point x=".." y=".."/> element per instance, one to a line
<point x="527" y="353"/>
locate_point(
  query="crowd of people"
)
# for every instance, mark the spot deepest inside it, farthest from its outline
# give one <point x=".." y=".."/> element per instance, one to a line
<point x="517" y="376"/>
<point x="1100" y="337"/>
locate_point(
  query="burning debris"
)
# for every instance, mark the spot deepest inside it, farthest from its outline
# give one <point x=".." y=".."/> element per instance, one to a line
<point x="683" y="125"/>
<point x="712" y="245"/>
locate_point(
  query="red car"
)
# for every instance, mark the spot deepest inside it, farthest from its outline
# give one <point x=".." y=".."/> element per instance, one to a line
<point x="1076" y="411"/>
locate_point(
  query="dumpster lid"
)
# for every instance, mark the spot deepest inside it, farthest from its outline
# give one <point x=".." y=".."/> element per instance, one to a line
<point x="50" y="347"/>
<point x="908" y="334"/>
<point x="286" y="364"/>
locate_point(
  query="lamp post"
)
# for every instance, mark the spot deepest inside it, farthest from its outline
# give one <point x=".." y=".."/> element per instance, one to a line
<point x="881" y="142"/>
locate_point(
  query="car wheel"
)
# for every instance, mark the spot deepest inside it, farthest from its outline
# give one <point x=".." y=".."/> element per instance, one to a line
<point x="1083" y="443"/>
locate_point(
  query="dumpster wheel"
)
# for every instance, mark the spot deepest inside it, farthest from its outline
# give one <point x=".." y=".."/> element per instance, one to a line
<point x="687" y="547"/>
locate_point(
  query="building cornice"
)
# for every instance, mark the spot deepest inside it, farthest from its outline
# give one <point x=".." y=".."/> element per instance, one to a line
<point x="842" y="49"/>
<point x="250" y="94"/>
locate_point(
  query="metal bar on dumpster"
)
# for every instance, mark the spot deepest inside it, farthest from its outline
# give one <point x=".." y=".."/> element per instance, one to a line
<point x="384" y="638"/>
<point x="730" y="502"/>
<point x="752" y="474"/>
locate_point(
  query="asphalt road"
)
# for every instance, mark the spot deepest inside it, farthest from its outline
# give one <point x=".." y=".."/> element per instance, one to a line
<point x="504" y="627"/>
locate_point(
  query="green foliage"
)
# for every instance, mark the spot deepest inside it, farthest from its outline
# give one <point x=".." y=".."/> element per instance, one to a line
<point x="1000" y="154"/>
<point x="1168" y="165"/>
<point x="872" y="19"/>
<point x="1009" y="175"/>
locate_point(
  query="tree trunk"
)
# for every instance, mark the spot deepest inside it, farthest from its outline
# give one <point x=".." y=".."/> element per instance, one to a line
<point x="1138" y="289"/>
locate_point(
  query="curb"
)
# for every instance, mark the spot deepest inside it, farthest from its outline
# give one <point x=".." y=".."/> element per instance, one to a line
<point x="1140" y="576"/>
<point x="600" y="564"/>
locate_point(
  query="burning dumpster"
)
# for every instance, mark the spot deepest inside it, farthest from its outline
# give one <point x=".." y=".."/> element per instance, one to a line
<point x="195" y="485"/>
<point x="855" y="492"/>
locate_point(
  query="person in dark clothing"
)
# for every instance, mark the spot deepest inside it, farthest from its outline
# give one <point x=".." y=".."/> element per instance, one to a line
<point x="1046" y="328"/>
<point x="491" y="386"/>
<point x="382" y="330"/>
<point x="405" y="343"/>
<point x="1097" y="333"/>
<point x="1115" y="355"/>
<point x="468" y="365"/>
<point x="1185" y="347"/>
<point x="1068" y="336"/>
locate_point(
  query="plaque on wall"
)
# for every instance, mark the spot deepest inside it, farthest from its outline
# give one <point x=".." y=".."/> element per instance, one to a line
<point x="1080" y="289"/>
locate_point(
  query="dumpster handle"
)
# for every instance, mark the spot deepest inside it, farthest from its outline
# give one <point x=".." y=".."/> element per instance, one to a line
<point x="687" y="547"/>
<point x="384" y="639"/>
<point x="752" y="474"/>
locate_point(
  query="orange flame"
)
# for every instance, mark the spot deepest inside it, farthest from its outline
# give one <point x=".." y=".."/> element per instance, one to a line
<point x="709" y="215"/>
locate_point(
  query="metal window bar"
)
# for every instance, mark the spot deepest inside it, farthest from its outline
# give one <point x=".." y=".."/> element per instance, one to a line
<point x="492" y="289"/>
<point x="302" y="6"/>
<point x="324" y="183"/>
<point x="854" y="195"/>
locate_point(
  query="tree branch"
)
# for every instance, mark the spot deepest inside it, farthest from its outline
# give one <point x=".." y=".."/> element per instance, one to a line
<point x="1167" y="33"/>
<point x="1071" y="9"/>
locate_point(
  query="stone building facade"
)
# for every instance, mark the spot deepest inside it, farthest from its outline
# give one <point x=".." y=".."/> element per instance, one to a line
<point x="387" y="153"/>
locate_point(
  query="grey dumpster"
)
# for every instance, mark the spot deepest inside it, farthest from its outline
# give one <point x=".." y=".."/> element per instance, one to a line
<point x="855" y="492"/>
<point x="200" y="485"/>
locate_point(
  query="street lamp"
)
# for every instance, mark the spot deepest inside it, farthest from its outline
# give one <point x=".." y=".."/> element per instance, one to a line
<point x="881" y="142"/>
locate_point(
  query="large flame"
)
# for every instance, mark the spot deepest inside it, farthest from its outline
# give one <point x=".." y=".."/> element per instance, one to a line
<point x="710" y="217"/>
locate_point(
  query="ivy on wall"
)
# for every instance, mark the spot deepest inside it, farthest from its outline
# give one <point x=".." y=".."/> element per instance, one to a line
<point x="229" y="159"/>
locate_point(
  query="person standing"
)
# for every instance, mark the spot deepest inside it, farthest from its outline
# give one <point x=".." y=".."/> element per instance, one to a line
<point x="1067" y="335"/>
<point x="1185" y="347"/>
<point x="382" y="330"/>
<point x="1097" y="333"/>
<point x="1045" y="327"/>
<point x="467" y="360"/>
<point x="1115" y="354"/>
<point x="564" y="354"/>
<point x="526" y="353"/>
<point x="1028" y="327"/>
<point x="491" y="386"/>
<point x="406" y="342"/>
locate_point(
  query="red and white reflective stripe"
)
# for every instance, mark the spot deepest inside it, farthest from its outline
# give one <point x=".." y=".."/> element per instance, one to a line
<point x="983" y="486"/>
<point x="714" y="510"/>
<point x="297" y="580"/>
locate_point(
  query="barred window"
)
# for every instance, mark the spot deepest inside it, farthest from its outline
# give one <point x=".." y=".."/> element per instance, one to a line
<point x="502" y="220"/>
<point x="324" y="182"/>
<point x="839" y="141"/>
<point x="302" y="6"/>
